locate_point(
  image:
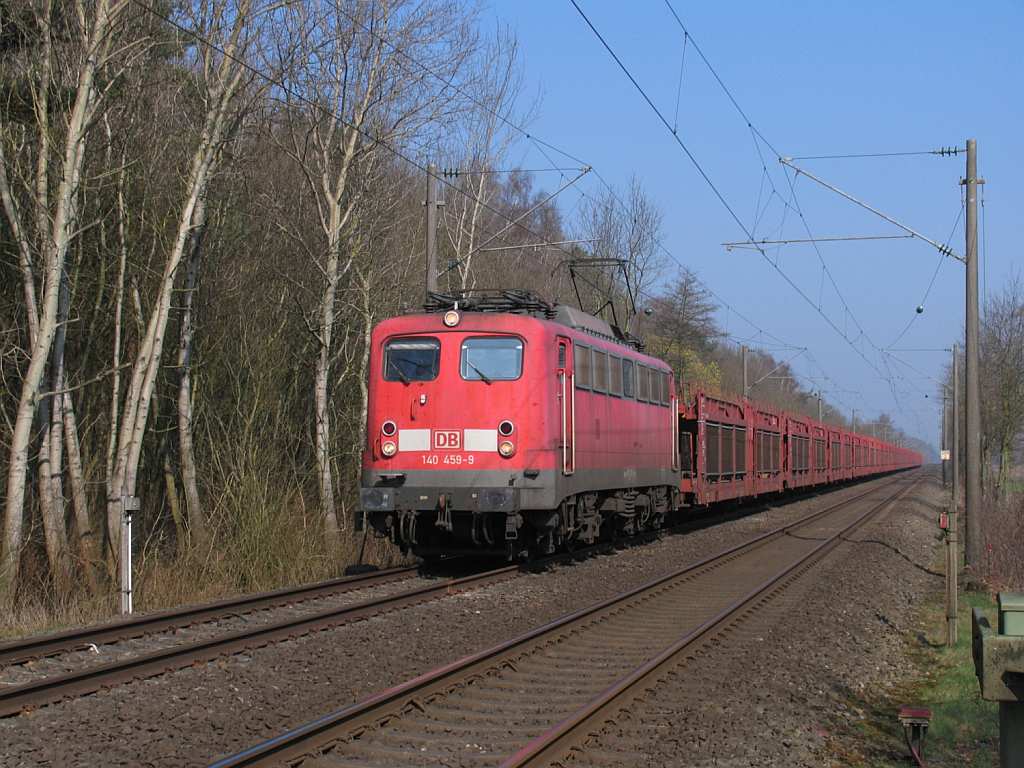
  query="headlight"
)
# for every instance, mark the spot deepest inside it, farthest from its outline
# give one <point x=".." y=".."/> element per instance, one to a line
<point x="451" y="318"/>
<point x="505" y="448"/>
<point x="388" y="428"/>
<point x="388" y="448"/>
<point x="506" y="428"/>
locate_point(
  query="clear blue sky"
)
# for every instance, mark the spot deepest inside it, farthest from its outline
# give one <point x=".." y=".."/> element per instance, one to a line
<point x="815" y="78"/>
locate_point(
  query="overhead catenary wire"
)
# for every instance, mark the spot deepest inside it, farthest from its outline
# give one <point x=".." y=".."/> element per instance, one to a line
<point x="714" y="73"/>
<point x="664" y="120"/>
<point x="779" y="366"/>
<point x="679" y="87"/>
<point x="824" y="265"/>
<point x="931" y="283"/>
<point x="541" y="145"/>
<point x="944" y="249"/>
<point x="913" y="368"/>
<point x="758" y="135"/>
<point x="512" y="222"/>
<point x="944" y="151"/>
<point x="707" y="178"/>
<point x="658" y="242"/>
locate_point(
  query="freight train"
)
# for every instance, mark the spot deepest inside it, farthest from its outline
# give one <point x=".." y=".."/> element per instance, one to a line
<point x="501" y="424"/>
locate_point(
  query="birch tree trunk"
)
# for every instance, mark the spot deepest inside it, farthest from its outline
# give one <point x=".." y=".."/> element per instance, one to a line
<point x="197" y="523"/>
<point x="88" y="540"/>
<point x="321" y="388"/>
<point x="115" y="386"/>
<point x="337" y="217"/>
<point x="52" y="470"/>
<point x="364" y="357"/>
<point x="337" y="145"/>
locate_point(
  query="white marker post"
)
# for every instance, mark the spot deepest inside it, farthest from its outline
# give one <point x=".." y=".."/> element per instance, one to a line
<point x="129" y="504"/>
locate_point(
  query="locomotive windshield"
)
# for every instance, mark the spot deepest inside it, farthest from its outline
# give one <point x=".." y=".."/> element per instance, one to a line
<point x="411" y="359"/>
<point x="491" y="358"/>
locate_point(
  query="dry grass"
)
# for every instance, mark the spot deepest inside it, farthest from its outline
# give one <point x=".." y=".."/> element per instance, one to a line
<point x="264" y="539"/>
<point x="286" y="554"/>
<point x="34" y="617"/>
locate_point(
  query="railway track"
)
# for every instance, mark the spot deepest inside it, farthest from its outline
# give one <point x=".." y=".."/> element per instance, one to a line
<point x="533" y="699"/>
<point x="45" y="646"/>
<point x="92" y="678"/>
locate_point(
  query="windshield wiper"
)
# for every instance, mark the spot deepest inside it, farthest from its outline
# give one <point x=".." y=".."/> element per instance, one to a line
<point x="401" y="374"/>
<point x="481" y="374"/>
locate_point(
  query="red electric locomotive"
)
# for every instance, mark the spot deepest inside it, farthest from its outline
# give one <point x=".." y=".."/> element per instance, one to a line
<point x="505" y="424"/>
<point x="498" y="423"/>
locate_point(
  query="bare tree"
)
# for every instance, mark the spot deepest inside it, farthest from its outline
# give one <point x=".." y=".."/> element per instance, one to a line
<point x="479" y="145"/>
<point x="1002" y="361"/>
<point x="198" y="527"/>
<point x="624" y="229"/>
<point x="349" y="95"/>
<point x="224" y="31"/>
<point x="93" y="26"/>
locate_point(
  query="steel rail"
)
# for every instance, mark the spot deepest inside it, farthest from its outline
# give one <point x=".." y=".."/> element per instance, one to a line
<point x="554" y="744"/>
<point x="380" y="707"/>
<point x="42" y="646"/>
<point x="85" y="681"/>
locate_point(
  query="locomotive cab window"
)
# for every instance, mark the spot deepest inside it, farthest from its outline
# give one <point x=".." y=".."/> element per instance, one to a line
<point x="411" y="359"/>
<point x="491" y="358"/>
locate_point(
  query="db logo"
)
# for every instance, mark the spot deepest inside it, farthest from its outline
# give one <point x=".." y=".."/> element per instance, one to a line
<point x="447" y="439"/>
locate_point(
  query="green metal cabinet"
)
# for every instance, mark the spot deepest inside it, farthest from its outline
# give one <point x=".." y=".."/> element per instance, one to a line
<point x="999" y="664"/>
<point x="1011" y="613"/>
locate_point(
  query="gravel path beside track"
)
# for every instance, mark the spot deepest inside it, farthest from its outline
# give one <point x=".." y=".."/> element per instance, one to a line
<point x="200" y="713"/>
